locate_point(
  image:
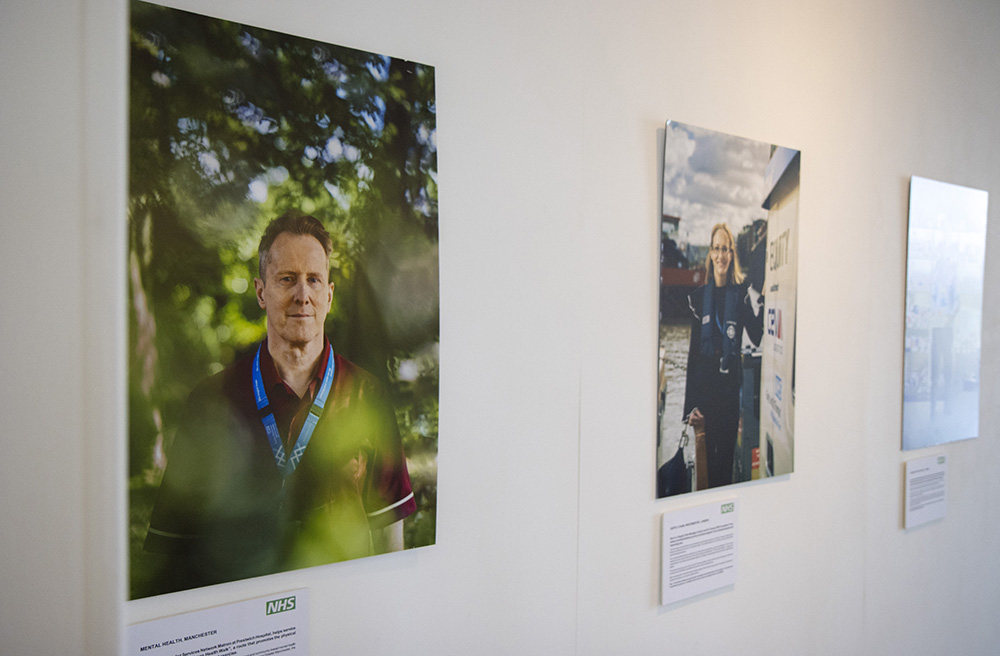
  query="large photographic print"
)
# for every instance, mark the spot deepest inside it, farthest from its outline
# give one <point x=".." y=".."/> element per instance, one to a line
<point x="728" y="245"/>
<point x="282" y="303"/>
<point x="945" y="256"/>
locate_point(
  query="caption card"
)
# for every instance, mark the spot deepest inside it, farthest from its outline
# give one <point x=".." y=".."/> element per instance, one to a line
<point x="926" y="492"/>
<point x="265" y="626"/>
<point x="699" y="550"/>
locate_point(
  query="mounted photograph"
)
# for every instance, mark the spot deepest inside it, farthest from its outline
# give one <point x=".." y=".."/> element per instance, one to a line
<point x="726" y="360"/>
<point x="945" y="260"/>
<point x="283" y="302"/>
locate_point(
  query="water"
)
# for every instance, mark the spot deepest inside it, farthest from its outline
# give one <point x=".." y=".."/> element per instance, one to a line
<point x="673" y="353"/>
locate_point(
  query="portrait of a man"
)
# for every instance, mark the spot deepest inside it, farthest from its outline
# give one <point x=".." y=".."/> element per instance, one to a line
<point x="289" y="457"/>
<point x="283" y="303"/>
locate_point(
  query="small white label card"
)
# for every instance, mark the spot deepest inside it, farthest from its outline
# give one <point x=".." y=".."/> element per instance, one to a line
<point x="926" y="492"/>
<point x="265" y="626"/>
<point x="699" y="550"/>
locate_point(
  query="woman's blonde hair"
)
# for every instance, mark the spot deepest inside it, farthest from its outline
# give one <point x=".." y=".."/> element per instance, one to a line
<point x="735" y="274"/>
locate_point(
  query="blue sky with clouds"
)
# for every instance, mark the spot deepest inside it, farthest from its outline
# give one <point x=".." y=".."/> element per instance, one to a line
<point x="710" y="177"/>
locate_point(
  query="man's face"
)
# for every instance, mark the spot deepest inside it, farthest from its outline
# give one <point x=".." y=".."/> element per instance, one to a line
<point x="296" y="292"/>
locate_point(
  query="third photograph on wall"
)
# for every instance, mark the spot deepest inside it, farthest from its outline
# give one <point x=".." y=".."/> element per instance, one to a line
<point x="945" y="259"/>
<point x="726" y="356"/>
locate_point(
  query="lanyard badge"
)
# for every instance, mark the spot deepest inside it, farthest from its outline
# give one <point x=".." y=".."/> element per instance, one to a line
<point x="287" y="464"/>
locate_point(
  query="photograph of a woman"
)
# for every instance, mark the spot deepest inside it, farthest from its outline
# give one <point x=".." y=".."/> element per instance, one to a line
<point x="721" y="311"/>
<point x="728" y="235"/>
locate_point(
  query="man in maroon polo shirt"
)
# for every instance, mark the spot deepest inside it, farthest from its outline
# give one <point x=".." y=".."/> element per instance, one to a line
<point x="290" y="457"/>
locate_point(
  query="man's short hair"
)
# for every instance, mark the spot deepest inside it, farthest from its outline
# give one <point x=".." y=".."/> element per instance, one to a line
<point x="295" y="223"/>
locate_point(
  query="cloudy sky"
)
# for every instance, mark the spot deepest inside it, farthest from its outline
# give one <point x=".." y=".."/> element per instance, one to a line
<point x="709" y="178"/>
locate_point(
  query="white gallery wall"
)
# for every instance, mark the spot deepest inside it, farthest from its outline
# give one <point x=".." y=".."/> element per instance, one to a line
<point x="550" y="118"/>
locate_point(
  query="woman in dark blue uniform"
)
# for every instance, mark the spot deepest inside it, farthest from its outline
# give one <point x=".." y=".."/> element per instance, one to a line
<point x="721" y="311"/>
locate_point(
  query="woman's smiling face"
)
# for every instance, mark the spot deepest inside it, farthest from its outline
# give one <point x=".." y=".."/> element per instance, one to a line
<point x="722" y="256"/>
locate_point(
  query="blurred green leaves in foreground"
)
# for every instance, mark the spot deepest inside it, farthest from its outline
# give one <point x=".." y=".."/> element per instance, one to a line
<point x="229" y="127"/>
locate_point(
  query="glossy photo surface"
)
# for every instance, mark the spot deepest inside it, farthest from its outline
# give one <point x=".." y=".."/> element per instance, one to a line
<point x="231" y="127"/>
<point x="945" y="254"/>
<point x="728" y="263"/>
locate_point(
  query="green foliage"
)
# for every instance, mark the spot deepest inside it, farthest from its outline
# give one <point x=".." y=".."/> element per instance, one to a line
<point x="229" y="127"/>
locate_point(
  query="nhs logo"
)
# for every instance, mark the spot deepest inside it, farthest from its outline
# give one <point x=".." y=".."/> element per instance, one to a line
<point x="280" y="605"/>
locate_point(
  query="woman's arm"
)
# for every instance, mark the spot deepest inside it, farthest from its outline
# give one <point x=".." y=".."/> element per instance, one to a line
<point x="691" y="377"/>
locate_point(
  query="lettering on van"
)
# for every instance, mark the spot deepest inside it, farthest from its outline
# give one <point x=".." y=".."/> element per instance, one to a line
<point x="777" y="251"/>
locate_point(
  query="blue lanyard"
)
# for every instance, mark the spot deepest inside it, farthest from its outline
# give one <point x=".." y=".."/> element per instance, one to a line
<point x="287" y="465"/>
